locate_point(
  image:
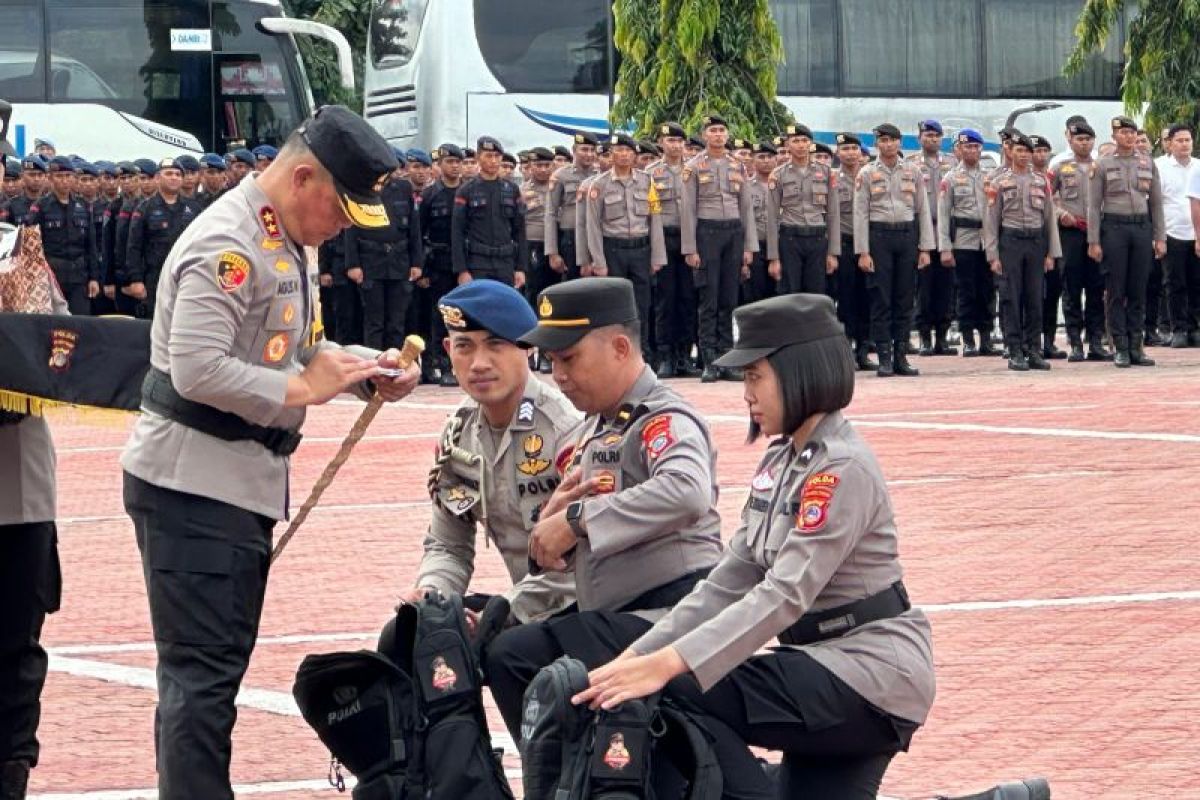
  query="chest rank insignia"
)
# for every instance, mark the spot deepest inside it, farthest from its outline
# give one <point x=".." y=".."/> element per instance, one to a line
<point x="444" y="678"/>
<point x="270" y="222"/>
<point x="533" y="463"/>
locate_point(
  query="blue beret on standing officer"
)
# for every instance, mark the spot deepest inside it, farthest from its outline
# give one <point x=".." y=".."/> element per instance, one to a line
<point x="237" y="354"/>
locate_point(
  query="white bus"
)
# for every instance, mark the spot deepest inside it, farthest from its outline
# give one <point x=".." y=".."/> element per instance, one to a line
<point x="528" y="71"/>
<point x="122" y="79"/>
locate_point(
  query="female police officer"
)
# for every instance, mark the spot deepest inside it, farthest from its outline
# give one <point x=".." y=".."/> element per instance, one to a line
<point x="813" y="563"/>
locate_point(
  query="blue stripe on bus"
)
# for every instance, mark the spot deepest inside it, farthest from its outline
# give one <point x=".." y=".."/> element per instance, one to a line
<point x="20" y="143"/>
<point x="569" y="125"/>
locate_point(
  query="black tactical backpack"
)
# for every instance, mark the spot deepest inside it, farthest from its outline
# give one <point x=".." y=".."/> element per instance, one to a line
<point x="408" y="720"/>
<point x="572" y="753"/>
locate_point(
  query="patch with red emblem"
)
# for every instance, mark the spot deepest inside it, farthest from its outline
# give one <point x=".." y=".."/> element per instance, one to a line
<point x="656" y="436"/>
<point x="563" y="460"/>
<point x="62" y="345"/>
<point x="815" y="498"/>
<point x="232" y="271"/>
<point x="606" y="482"/>
<point x="444" y="678"/>
<point x="270" y="222"/>
<point x="616" y="757"/>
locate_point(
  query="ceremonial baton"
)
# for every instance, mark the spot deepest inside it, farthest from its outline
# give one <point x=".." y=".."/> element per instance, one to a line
<point x="413" y="347"/>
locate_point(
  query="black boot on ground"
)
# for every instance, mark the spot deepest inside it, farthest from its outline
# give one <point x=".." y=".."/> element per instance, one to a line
<point x="926" y="344"/>
<point x="862" y="357"/>
<point x="901" y="365"/>
<point x="664" y="365"/>
<point x="1121" y="359"/>
<point x="711" y="374"/>
<point x="1137" y="355"/>
<point x="885" y="368"/>
<point x="941" y="346"/>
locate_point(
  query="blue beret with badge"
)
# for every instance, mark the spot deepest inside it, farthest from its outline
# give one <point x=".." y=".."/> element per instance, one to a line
<point x="933" y="125"/>
<point x="487" y="306"/>
<point x="146" y="167"/>
<point x="265" y="152"/>
<point x="420" y="156"/>
<point x="970" y="136"/>
<point x="213" y="161"/>
<point x="35" y="162"/>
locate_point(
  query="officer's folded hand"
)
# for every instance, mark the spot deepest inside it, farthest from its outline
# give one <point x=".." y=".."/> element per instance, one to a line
<point x="947" y="258"/>
<point x="326" y="280"/>
<point x="693" y="260"/>
<point x="355" y="274"/>
<point x="399" y="387"/>
<point x="93" y="289"/>
<point x="599" y="270"/>
<point x="866" y="263"/>
<point x="1095" y="252"/>
<point x="997" y="267"/>
<point x="110" y="291"/>
<point x="557" y="264"/>
<point x="923" y="259"/>
<point x="518" y="280"/>
<point x="831" y="264"/>
<point x="136" y="290"/>
<point x="550" y="540"/>
<point x="775" y="269"/>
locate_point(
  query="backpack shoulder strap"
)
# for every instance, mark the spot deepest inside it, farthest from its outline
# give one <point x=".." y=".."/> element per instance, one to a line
<point x="706" y="781"/>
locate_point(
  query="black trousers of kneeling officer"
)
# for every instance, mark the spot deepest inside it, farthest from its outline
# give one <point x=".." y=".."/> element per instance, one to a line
<point x="205" y="564"/>
<point x="1023" y="259"/>
<point x="30" y="588"/>
<point x="835" y="743"/>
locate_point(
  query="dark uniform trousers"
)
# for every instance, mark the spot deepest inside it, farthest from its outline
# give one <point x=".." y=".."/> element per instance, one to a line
<point x="630" y="259"/>
<point x="802" y="254"/>
<point x="30" y="588"/>
<point x="975" y="289"/>
<point x="538" y="274"/>
<point x="835" y="743"/>
<point x="760" y="285"/>
<point x="853" y="300"/>
<point x="205" y="564"/>
<point x="1022" y="257"/>
<point x="675" y="300"/>
<point x="1083" y="287"/>
<point x="1128" y="253"/>
<point x="513" y="660"/>
<point x="440" y="271"/>
<point x="935" y="287"/>
<point x="1182" y="273"/>
<point x="492" y="267"/>
<point x="719" y="245"/>
<point x="894" y="251"/>
<point x="566" y="249"/>
<point x="348" y="309"/>
<point x="78" y="301"/>
<point x="1154" y="296"/>
<point x="385" y="310"/>
<point x="1052" y="289"/>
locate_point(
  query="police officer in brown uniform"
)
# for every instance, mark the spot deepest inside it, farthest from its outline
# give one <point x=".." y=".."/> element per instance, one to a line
<point x="757" y="281"/>
<point x="634" y="518"/>
<point x="1021" y="240"/>
<point x="935" y="284"/>
<point x="624" y="228"/>
<point x="535" y="191"/>
<point x="814" y="565"/>
<point x="891" y="224"/>
<point x="802" y="211"/>
<point x="236" y="357"/>
<point x="853" y="301"/>
<point x="561" y="203"/>
<point x="1126" y="230"/>
<point x="675" y="298"/>
<point x="718" y="239"/>
<point x="962" y="203"/>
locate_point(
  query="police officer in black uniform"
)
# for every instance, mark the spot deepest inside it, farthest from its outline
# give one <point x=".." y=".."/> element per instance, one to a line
<point x="153" y="228"/>
<point x="389" y="260"/>
<point x="488" y="227"/>
<point x="212" y="178"/>
<point x="33" y="183"/>
<point x="341" y="304"/>
<point x="68" y="238"/>
<point x="437" y="214"/>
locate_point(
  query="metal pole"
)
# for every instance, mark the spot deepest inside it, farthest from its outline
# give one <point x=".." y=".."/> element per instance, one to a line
<point x="609" y="56"/>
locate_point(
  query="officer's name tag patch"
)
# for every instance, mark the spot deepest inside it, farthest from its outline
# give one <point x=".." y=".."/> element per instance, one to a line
<point x="656" y="436"/>
<point x="232" y="271"/>
<point x="814" y="501"/>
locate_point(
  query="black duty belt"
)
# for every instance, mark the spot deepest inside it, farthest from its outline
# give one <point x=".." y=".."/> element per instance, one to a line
<point x="668" y="594"/>
<point x="966" y="222"/>
<point x="159" y="396"/>
<point x="803" y="231"/>
<point x="1023" y="233"/>
<point x="905" y="227"/>
<point x="491" y="251"/>
<point x="848" y="238"/>
<point x="719" y="224"/>
<point x="817" y="626"/>
<point x="1126" y="219"/>
<point x="635" y="243"/>
<point x="566" y="234"/>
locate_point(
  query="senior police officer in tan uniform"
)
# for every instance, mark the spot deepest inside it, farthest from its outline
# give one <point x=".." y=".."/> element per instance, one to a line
<point x="495" y="463"/>
<point x="1126" y="230"/>
<point x="624" y="227"/>
<point x="803" y="218"/>
<point x="565" y="194"/>
<point x="1020" y="236"/>
<point x="236" y="356"/>
<point x="893" y="234"/>
<point x="814" y="565"/>
<point x="717" y="225"/>
<point x="635" y="516"/>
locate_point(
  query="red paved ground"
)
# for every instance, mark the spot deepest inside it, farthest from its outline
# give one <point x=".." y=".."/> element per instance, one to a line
<point x="1098" y="697"/>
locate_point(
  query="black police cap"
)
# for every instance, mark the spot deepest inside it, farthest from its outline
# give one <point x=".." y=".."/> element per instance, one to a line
<point x="1040" y="141"/>
<point x="1123" y="122"/>
<point x="508" y="158"/>
<point x="770" y="325"/>
<point x="848" y="138"/>
<point x="569" y="311"/>
<point x="888" y="129"/>
<point x="765" y="146"/>
<point x="647" y="146"/>
<point x="821" y="147"/>
<point x="1081" y="128"/>
<point x="1018" y="138"/>
<point x="1008" y="134"/>
<point x="708" y="120"/>
<point x="489" y="144"/>
<point x="671" y="129"/>
<point x="450" y="151"/>
<point x="541" y="154"/>
<point x="796" y="129"/>
<point x="561" y="150"/>
<point x="356" y="156"/>
<point x="585" y="137"/>
<point x="695" y="142"/>
<point x="624" y="140"/>
<point x="468" y="152"/>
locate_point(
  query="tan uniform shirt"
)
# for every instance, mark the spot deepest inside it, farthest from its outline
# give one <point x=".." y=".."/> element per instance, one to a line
<point x="817" y="532"/>
<point x="535" y="194"/>
<point x="504" y="492"/>
<point x="564" y="195"/>
<point x="890" y="194"/>
<point x="668" y="185"/>
<point x="623" y="208"/>
<point x="1125" y="185"/>
<point x="1070" y="181"/>
<point x="933" y="169"/>
<point x="658" y="521"/>
<point x="845" y="193"/>
<point x="719" y="189"/>
<point x="962" y="194"/>
<point x="758" y="201"/>
<point x="27" y="472"/>
<point x="805" y="196"/>
<point x="237" y="312"/>
<point x="1020" y="201"/>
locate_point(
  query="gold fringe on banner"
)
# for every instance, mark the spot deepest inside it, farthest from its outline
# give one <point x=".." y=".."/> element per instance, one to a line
<point x="18" y="403"/>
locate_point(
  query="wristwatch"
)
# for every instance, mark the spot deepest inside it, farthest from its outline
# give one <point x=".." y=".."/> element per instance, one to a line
<point x="575" y="519"/>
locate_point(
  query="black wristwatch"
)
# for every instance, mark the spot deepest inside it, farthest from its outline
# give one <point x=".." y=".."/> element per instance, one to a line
<point x="575" y="519"/>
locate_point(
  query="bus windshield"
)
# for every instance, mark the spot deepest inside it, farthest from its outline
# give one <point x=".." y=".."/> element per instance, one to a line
<point x="201" y="67"/>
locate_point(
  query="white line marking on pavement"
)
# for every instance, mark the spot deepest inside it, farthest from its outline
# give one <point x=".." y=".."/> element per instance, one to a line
<point x="969" y="411"/>
<point x="1063" y="602"/>
<point x="1062" y="433"/>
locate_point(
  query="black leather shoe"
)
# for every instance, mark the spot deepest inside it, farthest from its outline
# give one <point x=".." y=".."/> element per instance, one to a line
<point x="1194" y="339"/>
<point x="1121" y="359"/>
<point x="885" y="368"/>
<point x="1050" y="351"/>
<point x="1035" y="361"/>
<point x="1137" y="356"/>
<point x="1017" y="363"/>
<point x="985" y="345"/>
<point x="710" y="375"/>
<point x="1076" y="351"/>
<point x="1179" y="341"/>
<point x="926" y="344"/>
<point x="941" y="347"/>
<point x="862" y="358"/>
<point x="901" y="365"/>
<point x="732" y="374"/>
<point x="665" y="369"/>
<point x="969" y="348"/>
<point x="14" y="780"/>
<point x="1096" y="352"/>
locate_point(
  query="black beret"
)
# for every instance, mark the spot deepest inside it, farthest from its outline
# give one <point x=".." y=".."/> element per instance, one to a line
<point x="796" y="129"/>
<point x="887" y="129"/>
<point x="848" y="138"/>
<point x="489" y="144"/>
<point x="770" y="325"/>
<point x="695" y="142"/>
<point x="624" y="140"/>
<point x="1018" y="138"/>
<point x="1123" y="122"/>
<point x="509" y="158"/>
<point x="468" y="152"/>
<point x="765" y="147"/>
<point x="585" y="137"/>
<point x="359" y="160"/>
<point x="569" y="311"/>
<point x="449" y="151"/>
<point x="560" y="150"/>
<point x="671" y="129"/>
<point x="1081" y="128"/>
<point x="712" y="119"/>
<point x="540" y="154"/>
<point x="1040" y="141"/>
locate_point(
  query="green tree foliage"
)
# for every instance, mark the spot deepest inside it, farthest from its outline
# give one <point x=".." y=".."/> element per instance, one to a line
<point x="1162" y="61"/>
<point x="682" y="59"/>
<point x="351" y="17"/>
